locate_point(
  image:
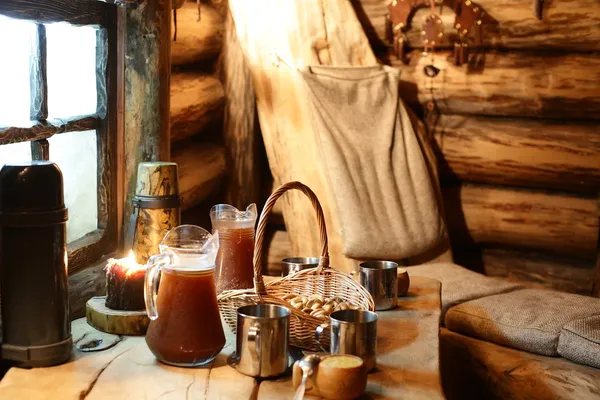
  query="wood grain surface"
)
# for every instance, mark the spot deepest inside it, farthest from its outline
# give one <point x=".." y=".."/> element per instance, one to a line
<point x="510" y="24"/>
<point x="559" y="155"/>
<point x="506" y="84"/>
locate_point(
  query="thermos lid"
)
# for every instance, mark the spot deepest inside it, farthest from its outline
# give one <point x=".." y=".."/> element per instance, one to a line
<point x="32" y="193"/>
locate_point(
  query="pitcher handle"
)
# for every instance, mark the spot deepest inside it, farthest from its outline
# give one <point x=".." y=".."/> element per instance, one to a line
<point x="255" y="353"/>
<point x="318" y="332"/>
<point x="154" y="265"/>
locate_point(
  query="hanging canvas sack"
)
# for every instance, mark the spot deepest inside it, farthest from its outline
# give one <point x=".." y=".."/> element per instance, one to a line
<point x="378" y="174"/>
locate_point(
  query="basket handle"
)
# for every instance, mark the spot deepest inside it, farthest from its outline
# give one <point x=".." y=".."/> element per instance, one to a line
<point x="259" y="284"/>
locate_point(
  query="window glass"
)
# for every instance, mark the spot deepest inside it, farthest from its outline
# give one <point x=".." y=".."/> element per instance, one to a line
<point x="15" y="153"/>
<point x="71" y="70"/>
<point x="76" y="155"/>
<point x="16" y="42"/>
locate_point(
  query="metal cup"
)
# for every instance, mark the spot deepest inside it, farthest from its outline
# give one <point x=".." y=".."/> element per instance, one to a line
<point x="352" y="332"/>
<point x="380" y="278"/>
<point x="295" y="264"/>
<point x="262" y="340"/>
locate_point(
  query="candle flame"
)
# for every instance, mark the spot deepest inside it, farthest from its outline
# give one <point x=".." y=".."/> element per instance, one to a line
<point x="131" y="266"/>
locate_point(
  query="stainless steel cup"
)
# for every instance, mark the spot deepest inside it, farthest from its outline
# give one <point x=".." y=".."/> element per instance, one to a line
<point x="295" y="264"/>
<point x="380" y="278"/>
<point x="352" y="332"/>
<point x="262" y="340"/>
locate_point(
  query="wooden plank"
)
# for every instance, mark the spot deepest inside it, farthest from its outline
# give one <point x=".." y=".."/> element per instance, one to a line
<point x="559" y="155"/>
<point x="475" y="369"/>
<point x="330" y="34"/>
<point x="147" y="73"/>
<point x="572" y="25"/>
<point x="201" y="171"/>
<point x="37" y="130"/>
<point x="534" y="269"/>
<point x="241" y="129"/>
<point x="197" y="102"/>
<point x="126" y="370"/>
<point x="198" y="39"/>
<point x="507" y="84"/>
<point x="407" y="350"/>
<point x="554" y="222"/>
<point x="79" y="12"/>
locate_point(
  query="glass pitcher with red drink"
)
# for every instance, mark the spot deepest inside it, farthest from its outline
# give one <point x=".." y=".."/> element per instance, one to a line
<point x="234" y="268"/>
<point x="185" y="324"/>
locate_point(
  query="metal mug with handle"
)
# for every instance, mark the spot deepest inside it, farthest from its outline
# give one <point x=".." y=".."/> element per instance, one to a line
<point x="352" y="332"/>
<point x="262" y="340"/>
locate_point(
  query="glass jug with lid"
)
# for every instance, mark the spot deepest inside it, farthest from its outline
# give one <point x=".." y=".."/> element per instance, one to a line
<point x="185" y="324"/>
<point x="234" y="268"/>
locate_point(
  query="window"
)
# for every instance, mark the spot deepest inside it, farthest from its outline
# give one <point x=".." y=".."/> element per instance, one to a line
<point x="58" y="88"/>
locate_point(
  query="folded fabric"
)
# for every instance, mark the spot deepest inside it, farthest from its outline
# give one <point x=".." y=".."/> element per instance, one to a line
<point x="579" y="341"/>
<point x="373" y="162"/>
<point x="459" y="284"/>
<point x="529" y="319"/>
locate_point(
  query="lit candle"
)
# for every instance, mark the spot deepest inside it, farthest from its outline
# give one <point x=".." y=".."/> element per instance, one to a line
<point x="125" y="284"/>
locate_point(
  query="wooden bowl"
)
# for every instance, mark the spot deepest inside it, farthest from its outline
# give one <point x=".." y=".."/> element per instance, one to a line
<point x="403" y="282"/>
<point x="337" y="377"/>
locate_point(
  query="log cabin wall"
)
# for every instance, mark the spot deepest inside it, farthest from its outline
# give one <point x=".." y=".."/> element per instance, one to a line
<point x="517" y="136"/>
<point x="197" y="105"/>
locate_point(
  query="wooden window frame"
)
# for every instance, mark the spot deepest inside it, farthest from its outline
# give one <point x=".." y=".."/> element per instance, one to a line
<point x="106" y="121"/>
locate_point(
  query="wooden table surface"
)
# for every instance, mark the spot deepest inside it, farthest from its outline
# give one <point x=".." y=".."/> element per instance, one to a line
<point x="408" y="364"/>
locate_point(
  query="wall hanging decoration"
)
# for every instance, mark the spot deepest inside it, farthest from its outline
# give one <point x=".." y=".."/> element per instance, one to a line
<point x="468" y="22"/>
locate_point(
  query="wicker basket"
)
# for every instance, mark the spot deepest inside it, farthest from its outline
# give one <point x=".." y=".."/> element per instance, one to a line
<point x="322" y="280"/>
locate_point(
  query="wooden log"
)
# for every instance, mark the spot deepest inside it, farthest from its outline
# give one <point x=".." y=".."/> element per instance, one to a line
<point x="533" y="269"/>
<point x="475" y="369"/>
<point x="554" y="222"/>
<point x="199" y="37"/>
<point x="85" y="284"/>
<point x="147" y="73"/>
<point x="509" y="84"/>
<point x="331" y="34"/>
<point x="548" y="154"/>
<point x="572" y="26"/>
<point x="201" y="171"/>
<point x="196" y="102"/>
<point x="241" y="129"/>
<point x="118" y="322"/>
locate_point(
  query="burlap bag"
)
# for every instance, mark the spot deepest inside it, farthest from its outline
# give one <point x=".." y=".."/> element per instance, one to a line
<point x="373" y="161"/>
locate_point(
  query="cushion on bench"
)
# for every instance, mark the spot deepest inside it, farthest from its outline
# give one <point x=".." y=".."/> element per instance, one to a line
<point x="529" y="319"/>
<point x="579" y="341"/>
<point x="460" y="284"/>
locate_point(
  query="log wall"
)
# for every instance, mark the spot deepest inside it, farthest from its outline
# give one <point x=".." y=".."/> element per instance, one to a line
<point x="517" y="137"/>
<point x="197" y="106"/>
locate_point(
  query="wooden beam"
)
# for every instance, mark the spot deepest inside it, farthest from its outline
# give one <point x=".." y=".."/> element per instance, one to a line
<point x="201" y="171"/>
<point x="197" y="101"/>
<point x="511" y="24"/>
<point x="199" y="37"/>
<point x="557" y="223"/>
<point x="241" y="129"/>
<point x="38" y="130"/>
<point x="279" y="247"/>
<point x="78" y="12"/>
<point x="596" y="285"/>
<point x="549" y="154"/>
<point x="507" y="84"/>
<point x="147" y="73"/>
<point x="331" y="34"/>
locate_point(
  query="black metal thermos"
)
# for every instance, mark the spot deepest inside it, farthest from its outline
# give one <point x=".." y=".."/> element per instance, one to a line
<point x="34" y="293"/>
